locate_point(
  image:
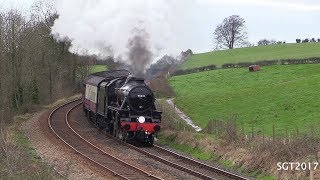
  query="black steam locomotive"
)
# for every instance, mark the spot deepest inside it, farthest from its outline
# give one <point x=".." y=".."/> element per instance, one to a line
<point x="122" y="105"/>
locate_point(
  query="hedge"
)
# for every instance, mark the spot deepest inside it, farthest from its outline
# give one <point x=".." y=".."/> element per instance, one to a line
<point x="313" y="60"/>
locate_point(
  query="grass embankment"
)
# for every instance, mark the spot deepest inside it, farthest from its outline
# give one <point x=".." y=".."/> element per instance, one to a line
<point x="18" y="158"/>
<point x="252" y="54"/>
<point x="178" y="135"/>
<point x="98" y="68"/>
<point x="283" y="96"/>
<point x="208" y="148"/>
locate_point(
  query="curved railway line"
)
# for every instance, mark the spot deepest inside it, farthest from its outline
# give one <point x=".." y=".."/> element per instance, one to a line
<point x="59" y="125"/>
<point x="184" y="163"/>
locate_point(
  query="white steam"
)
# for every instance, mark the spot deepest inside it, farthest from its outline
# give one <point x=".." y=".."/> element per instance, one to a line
<point x="105" y="27"/>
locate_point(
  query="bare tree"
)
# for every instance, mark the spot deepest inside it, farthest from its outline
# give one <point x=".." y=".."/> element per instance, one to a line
<point x="263" y="42"/>
<point x="230" y="33"/>
<point x="34" y="67"/>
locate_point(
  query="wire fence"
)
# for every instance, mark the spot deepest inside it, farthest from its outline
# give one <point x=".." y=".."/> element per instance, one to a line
<point x="234" y="130"/>
<point x="232" y="127"/>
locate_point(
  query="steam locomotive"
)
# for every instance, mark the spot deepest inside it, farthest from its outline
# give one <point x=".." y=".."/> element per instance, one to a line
<point x="122" y="105"/>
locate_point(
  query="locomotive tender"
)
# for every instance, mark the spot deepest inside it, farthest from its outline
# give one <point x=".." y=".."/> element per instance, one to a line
<point x="122" y="105"/>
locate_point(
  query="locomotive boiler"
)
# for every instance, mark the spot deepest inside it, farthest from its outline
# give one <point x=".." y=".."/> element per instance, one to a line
<point x="122" y="105"/>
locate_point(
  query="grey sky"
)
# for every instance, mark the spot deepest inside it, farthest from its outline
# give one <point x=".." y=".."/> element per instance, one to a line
<point x="283" y="20"/>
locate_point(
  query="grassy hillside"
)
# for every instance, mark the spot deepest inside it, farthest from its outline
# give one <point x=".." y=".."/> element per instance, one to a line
<point x="286" y="96"/>
<point x="98" y="68"/>
<point x="271" y="52"/>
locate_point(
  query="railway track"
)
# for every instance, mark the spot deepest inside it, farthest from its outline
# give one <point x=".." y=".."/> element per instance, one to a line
<point x="58" y="123"/>
<point x="194" y="164"/>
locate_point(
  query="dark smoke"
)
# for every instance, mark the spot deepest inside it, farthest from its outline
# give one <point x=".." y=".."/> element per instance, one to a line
<point x="140" y="54"/>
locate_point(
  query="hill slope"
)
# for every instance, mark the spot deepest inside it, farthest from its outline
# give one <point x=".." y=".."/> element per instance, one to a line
<point x="98" y="68"/>
<point x="286" y="96"/>
<point x="251" y="54"/>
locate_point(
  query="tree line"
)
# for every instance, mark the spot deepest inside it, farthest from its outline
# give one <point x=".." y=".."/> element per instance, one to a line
<point x="35" y="68"/>
<point x="307" y="40"/>
<point x="232" y="32"/>
<point x="264" y="42"/>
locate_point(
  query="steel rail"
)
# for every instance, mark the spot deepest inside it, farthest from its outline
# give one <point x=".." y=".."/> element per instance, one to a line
<point x="83" y="154"/>
<point x="201" y="164"/>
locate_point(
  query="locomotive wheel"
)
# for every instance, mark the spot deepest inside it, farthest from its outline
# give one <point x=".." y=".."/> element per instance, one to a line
<point x="100" y="123"/>
<point x="115" y="129"/>
<point x="85" y="112"/>
<point x="114" y="132"/>
<point x="122" y="135"/>
<point x="110" y="128"/>
<point x="149" y="142"/>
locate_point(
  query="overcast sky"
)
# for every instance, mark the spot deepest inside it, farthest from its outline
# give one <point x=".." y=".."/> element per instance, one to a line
<point x="283" y="20"/>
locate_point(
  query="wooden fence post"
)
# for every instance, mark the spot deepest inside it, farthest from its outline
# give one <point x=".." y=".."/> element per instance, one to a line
<point x="252" y="135"/>
<point x="273" y="132"/>
<point x="212" y="126"/>
<point x="262" y="134"/>
<point x="243" y="133"/>
<point x="287" y="135"/>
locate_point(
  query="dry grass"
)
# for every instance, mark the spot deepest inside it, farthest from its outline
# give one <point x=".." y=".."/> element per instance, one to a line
<point x="161" y="86"/>
<point x="18" y="159"/>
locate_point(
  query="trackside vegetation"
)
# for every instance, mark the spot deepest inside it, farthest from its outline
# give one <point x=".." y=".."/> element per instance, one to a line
<point x="280" y="98"/>
<point x="252" y="54"/>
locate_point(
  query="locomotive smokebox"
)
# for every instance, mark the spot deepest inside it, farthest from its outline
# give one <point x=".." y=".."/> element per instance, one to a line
<point x="137" y="95"/>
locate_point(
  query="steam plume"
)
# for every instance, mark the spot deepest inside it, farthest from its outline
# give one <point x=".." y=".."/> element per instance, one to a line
<point x="139" y="54"/>
<point x="134" y="32"/>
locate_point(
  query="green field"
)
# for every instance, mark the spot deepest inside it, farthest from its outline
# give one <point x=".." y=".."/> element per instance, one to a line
<point x="251" y="54"/>
<point x="98" y="68"/>
<point x="286" y="96"/>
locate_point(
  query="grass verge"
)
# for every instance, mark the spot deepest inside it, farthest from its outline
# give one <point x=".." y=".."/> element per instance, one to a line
<point x="182" y="142"/>
<point x="19" y="159"/>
